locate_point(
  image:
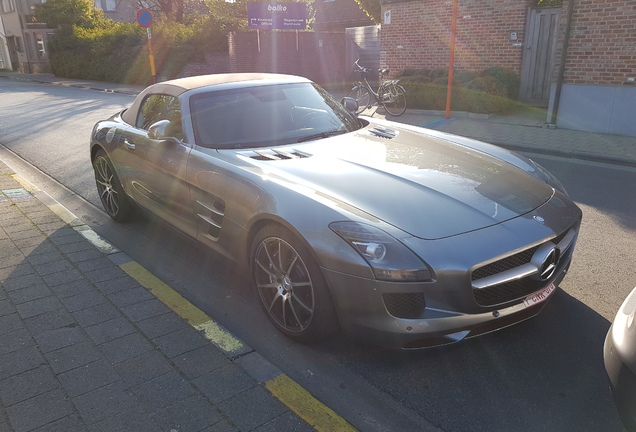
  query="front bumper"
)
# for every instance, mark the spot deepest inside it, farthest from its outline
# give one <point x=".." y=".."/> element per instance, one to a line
<point x="364" y="315"/>
<point x="619" y="355"/>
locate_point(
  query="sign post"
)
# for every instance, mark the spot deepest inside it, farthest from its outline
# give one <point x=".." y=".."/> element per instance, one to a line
<point x="144" y="19"/>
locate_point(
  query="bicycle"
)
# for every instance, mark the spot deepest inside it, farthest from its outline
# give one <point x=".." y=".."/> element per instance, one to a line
<point x="390" y="95"/>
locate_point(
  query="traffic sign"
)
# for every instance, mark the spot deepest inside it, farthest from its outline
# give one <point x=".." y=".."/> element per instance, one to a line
<point x="144" y="18"/>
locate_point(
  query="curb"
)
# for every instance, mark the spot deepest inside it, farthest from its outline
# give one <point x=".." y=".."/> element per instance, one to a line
<point x="281" y="386"/>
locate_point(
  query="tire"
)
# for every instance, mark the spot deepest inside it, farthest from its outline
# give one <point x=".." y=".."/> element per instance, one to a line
<point x="395" y="100"/>
<point x="291" y="287"/>
<point x="115" y="201"/>
<point x="361" y="94"/>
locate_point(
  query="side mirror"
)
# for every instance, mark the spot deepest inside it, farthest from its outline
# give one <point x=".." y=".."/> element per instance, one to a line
<point x="163" y="130"/>
<point x="351" y="105"/>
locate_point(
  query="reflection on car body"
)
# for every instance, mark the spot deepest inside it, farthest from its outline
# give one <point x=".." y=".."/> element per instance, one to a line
<point x="402" y="236"/>
<point x="619" y="355"/>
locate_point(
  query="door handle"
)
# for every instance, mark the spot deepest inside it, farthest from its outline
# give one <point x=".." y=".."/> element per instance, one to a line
<point x="128" y="144"/>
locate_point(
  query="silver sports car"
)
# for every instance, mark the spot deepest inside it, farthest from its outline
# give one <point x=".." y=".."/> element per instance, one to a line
<point x="401" y="236"/>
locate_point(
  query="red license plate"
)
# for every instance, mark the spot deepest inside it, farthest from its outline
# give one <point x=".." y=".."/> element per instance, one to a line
<point x="540" y="296"/>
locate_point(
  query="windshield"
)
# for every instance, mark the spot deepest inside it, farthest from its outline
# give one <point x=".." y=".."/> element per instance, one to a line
<point x="267" y="115"/>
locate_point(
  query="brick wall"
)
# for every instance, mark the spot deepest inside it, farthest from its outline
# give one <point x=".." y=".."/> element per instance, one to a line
<point x="420" y="30"/>
<point x="317" y="56"/>
<point x="602" y="45"/>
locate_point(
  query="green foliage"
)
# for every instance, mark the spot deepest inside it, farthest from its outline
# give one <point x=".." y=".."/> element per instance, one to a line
<point x="103" y="54"/>
<point x="547" y="3"/>
<point x="96" y="48"/>
<point x="372" y="8"/>
<point x="227" y="16"/>
<point x="69" y="13"/>
<point x="485" y="92"/>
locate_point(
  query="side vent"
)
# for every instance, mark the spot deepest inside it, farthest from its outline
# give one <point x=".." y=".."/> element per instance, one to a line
<point x="274" y="154"/>
<point x="213" y="214"/>
<point x="384" y="132"/>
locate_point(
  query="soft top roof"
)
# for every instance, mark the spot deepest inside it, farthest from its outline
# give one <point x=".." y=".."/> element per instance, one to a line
<point x="179" y="86"/>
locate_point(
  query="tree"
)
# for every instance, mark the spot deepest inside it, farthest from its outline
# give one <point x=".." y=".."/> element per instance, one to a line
<point x="68" y="13"/>
<point x="372" y="8"/>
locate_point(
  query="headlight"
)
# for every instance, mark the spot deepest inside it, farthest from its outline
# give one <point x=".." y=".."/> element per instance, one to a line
<point x="389" y="259"/>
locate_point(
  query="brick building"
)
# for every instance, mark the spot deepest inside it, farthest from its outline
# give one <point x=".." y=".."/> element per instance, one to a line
<point x="594" y="91"/>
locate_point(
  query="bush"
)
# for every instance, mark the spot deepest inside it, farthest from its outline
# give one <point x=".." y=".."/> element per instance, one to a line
<point x="118" y="52"/>
<point x="486" y="92"/>
<point x="429" y="96"/>
<point x="506" y="79"/>
<point x="486" y="84"/>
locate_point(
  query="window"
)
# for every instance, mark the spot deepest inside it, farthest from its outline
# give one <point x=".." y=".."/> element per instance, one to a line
<point x="39" y="46"/>
<point x="161" y="107"/>
<point x="106" y="5"/>
<point x="7" y="6"/>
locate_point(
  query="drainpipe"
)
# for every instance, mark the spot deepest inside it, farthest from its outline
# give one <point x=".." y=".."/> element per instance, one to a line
<point x="564" y="55"/>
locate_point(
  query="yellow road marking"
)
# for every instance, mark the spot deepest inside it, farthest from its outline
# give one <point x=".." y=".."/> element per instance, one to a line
<point x="290" y="393"/>
<point x="314" y="412"/>
<point x="167" y="295"/>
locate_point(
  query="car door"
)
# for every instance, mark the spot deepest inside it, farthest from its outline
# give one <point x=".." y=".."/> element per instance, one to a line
<point x="154" y="170"/>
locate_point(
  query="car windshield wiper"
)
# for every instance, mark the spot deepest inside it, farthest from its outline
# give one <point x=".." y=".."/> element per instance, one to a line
<point x="323" y="135"/>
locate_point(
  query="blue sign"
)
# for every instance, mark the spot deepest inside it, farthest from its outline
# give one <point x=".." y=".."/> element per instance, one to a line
<point x="144" y="18"/>
<point x="281" y="16"/>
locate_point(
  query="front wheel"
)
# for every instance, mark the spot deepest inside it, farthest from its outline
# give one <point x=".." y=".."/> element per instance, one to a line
<point x="290" y="286"/>
<point x="394" y="100"/>
<point x="115" y="201"/>
<point x="361" y="94"/>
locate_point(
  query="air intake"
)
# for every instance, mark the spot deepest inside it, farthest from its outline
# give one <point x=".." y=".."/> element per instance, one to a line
<point x="384" y="132"/>
<point x="274" y="155"/>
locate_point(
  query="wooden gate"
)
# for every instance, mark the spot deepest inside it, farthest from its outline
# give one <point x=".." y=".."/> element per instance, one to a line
<point x="542" y="28"/>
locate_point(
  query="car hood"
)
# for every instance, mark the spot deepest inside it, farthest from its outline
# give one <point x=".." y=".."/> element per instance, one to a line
<point x="428" y="186"/>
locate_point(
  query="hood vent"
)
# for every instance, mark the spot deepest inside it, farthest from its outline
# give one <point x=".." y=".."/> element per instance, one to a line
<point x="273" y="154"/>
<point x="384" y="132"/>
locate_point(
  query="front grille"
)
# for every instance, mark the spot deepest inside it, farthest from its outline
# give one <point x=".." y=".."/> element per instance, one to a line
<point x="405" y="305"/>
<point x="507" y="263"/>
<point x="507" y="292"/>
<point x="518" y="288"/>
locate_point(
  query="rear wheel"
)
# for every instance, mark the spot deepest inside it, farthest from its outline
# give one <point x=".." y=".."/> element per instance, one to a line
<point x="394" y="100"/>
<point x="115" y="201"/>
<point x="361" y="94"/>
<point x="291" y="287"/>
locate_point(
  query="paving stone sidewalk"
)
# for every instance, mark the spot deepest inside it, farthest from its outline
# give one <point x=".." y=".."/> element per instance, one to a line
<point x="84" y="347"/>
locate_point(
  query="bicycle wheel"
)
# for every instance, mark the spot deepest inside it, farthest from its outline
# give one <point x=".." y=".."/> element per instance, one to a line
<point x="394" y="100"/>
<point x="361" y="94"/>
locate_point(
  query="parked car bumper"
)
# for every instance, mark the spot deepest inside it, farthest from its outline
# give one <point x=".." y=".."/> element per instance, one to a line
<point x="619" y="355"/>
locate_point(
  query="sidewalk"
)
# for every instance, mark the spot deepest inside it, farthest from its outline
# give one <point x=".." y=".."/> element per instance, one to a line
<point x="90" y="341"/>
<point x="522" y="131"/>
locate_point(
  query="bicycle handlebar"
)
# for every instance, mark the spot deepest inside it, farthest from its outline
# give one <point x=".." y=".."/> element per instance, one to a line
<point x="363" y="70"/>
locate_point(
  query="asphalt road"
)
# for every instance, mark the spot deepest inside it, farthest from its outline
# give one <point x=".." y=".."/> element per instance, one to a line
<point x="543" y="374"/>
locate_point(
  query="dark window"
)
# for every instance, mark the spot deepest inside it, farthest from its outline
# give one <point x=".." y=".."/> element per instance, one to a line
<point x="266" y="115"/>
<point x="161" y="107"/>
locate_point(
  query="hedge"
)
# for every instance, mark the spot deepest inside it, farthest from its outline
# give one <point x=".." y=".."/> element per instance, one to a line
<point x="491" y="91"/>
